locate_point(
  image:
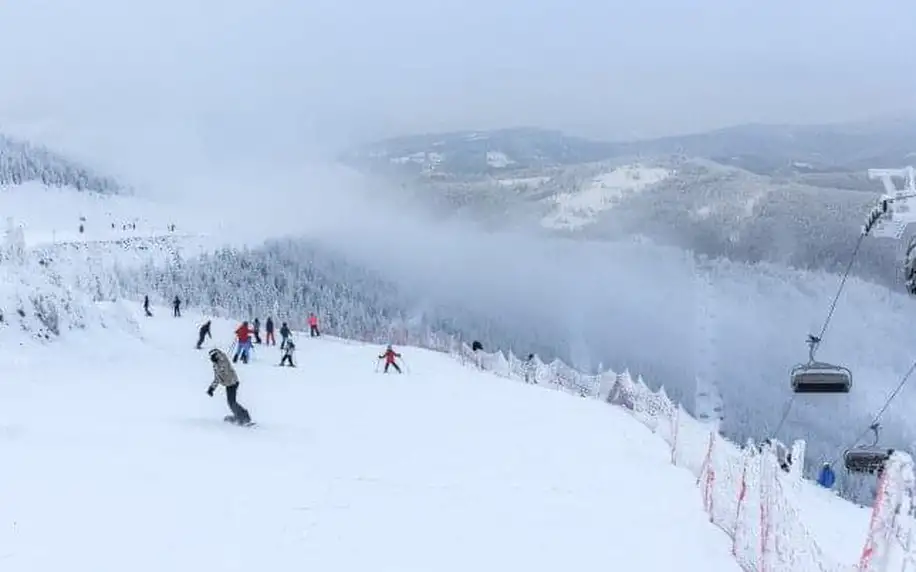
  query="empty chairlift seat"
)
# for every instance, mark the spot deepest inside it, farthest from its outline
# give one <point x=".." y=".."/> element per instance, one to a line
<point x="867" y="458"/>
<point x="820" y="377"/>
<point x="817" y="377"/>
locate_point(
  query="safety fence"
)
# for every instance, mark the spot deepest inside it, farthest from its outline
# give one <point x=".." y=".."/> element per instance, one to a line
<point x="745" y="490"/>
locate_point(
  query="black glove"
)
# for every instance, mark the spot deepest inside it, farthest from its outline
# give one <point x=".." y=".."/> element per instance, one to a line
<point x="210" y="391"/>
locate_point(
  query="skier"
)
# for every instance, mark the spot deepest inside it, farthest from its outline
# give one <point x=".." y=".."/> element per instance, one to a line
<point x="224" y="374"/>
<point x="530" y="369"/>
<point x="176" y="307"/>
<point x="389" y="357"/>
<point x="284" y="335"/>
<point x="203" y="333"/>
<point x="826" y="477"/>
<point x="257" y="331"/>
<point x="313" y="325"/>
<point x="269" y="338"/>
<point x="288" y="349"/>
<point x="242" y="343"/>
<point x="146" y="307"/>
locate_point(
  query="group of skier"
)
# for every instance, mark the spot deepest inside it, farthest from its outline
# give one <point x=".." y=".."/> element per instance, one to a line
<point x="224" y="372"/>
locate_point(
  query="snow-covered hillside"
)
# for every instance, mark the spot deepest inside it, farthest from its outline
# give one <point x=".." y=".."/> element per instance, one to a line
<point x="116" y="459"/>
<point x="49" y="215"/>
<point x="498" y="159"/>
<point x="582" y="206"/>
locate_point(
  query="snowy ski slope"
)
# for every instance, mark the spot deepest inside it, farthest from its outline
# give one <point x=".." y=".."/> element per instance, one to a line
<point x="473" y="435"/>
<point x="116" y="459"/>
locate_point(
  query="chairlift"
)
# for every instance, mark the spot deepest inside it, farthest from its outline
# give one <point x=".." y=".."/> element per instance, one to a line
<point x="820" y="377"/>
<point x="867" y="459"/>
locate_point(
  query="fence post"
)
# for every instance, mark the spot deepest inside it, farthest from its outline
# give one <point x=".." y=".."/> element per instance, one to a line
<point x="674" y="430"/>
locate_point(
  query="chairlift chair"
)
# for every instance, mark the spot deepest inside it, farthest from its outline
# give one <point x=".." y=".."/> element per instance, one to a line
<point x="820" y="377"/>
<point x="867" y="459"/>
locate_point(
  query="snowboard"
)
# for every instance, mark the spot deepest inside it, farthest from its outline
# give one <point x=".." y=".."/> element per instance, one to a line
<point x="231" y="419"/>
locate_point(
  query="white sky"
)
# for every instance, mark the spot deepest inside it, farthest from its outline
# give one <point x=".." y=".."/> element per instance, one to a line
<point x="225" y="73"/>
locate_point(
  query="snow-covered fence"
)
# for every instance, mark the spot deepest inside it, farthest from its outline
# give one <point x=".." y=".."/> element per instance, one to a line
<point x="747" y="491"/>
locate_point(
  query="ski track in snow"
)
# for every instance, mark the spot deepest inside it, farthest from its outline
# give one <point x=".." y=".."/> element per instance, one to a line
<point x="115" y="459"/>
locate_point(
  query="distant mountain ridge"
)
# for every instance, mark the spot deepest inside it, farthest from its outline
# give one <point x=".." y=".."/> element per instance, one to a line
<point x="24" y="161"/>
<point x="760" y="149"/>
<point x="793" y="195"/>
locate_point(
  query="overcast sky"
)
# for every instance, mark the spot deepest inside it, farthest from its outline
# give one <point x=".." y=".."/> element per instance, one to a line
<point x="341" y="70"/>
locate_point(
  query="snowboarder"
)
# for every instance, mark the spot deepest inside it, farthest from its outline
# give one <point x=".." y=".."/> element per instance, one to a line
<point x="389" y="357"/>
<point x="242" y="343"/>
<point x="224" y="374"/>
<point x="203" y="333"/>
<point x="176" y="307"/>
<point x="146" y="307"/>
<point x="257" y="330"/>
<point x="269" y="338"/>
<point x="826" y="477"/>
<point x="313" y="325"/>
<point x="288" y="349"/>
<point x="284" y="335"/>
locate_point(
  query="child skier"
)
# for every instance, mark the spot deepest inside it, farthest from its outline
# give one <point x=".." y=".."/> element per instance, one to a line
<point x="389" y="357"/>
<point x="242" y="343"/>
<point x="288" y="349"/>
<point x="284" y="335"/>
<point x="203" y="333"/>
<point x="257" y="331"/>
<point x="224" y="374"/>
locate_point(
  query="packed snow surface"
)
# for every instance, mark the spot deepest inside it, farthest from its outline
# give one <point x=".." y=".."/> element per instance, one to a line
<point x="114" y="458"/>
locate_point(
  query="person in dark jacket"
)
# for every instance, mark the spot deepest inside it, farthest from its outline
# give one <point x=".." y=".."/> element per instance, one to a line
<point x="224" y="374"/>
<point x="284" y="335"/>
<point x="203" y="333"/>
<point x="530" y="369"/>
<point x="257" y="330"/>
<point x="146" y="307"/>
<point x="826" y="477"/>
<point x="269" y="338"/>
<point x="176" y="307"/>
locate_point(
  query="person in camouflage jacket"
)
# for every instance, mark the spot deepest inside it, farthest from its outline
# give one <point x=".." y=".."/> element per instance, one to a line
<point x="224" y="374"/>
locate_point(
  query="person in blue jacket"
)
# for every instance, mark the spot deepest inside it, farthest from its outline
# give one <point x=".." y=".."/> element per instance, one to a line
<point x="826" y="477"/>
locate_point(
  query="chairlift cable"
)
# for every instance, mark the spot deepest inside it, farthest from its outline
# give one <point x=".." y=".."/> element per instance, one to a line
<point x="839" y="291"/>
<point x="785" y="415"/>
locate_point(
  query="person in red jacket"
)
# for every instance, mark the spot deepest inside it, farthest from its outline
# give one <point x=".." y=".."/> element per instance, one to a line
<point x="389" y="357"/>
<point x="313" y="325"/>
<point x="242" y="342"/>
